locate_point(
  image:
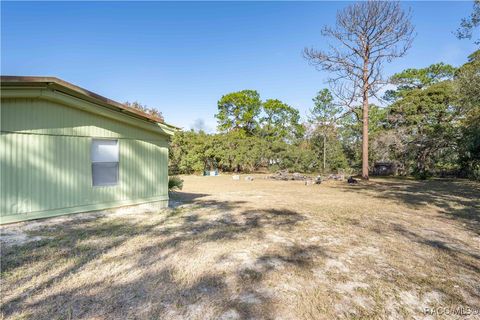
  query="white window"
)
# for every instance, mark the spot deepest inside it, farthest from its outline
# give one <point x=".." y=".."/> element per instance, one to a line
<point x="104" y="162"/>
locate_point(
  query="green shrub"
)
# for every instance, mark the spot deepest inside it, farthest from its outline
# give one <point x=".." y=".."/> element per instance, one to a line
<point x="421" y="174"/>
<point x="174" y="183"/>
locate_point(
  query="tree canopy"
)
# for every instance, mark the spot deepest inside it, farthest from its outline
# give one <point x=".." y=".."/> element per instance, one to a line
<point x="239" y="111"/>
<point x="469" y="24"/>
<point x="280" y="121"/>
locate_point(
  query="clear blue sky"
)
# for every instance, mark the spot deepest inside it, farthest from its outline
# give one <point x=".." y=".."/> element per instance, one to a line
<point x="182" y="57"/>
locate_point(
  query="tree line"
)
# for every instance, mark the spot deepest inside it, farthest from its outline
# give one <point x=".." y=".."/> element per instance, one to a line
<point x="431" y="126"/>
<point x="428" y="124"/>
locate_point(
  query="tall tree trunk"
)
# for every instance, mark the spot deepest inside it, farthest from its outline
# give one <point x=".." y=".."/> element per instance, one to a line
<point x="365" y="139"/>
<point x="324" y="152"/>
<point x="365" y="121"/>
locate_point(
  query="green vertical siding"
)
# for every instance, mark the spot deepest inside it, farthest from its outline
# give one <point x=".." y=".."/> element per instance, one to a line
<point x="46" y="167"/>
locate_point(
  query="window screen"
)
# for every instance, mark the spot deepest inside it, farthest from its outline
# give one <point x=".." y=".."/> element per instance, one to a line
<point x="104" y="162"/>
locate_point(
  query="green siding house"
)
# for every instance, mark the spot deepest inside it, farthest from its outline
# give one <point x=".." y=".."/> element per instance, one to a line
<point x="64" y="149"/>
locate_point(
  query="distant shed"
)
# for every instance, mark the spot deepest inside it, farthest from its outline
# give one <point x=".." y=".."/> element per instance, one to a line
<point x="64" y="149"/>
<point x="385" y="169"/>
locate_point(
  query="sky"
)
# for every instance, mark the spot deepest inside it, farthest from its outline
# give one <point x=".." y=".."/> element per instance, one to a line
<point x="181" y="57"/>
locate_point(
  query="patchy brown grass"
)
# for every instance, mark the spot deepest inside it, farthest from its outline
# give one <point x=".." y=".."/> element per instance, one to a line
<point x="261" y="249"/>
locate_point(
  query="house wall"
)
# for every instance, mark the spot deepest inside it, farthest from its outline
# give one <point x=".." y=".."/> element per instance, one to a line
<point x="45" y="167"/>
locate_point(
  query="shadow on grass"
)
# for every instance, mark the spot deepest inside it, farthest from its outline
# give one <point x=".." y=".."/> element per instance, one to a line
<point x="185" y="198"/>
<point x="456" y="254"/>
<point x="156" y="291"/>
<point x="456" y="199"/>
<point x="150" y="288"/>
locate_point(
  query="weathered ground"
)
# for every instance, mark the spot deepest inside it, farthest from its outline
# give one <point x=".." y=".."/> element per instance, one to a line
<point x="261" y="249"/>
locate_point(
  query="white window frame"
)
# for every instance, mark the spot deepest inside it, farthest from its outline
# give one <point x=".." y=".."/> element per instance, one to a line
<point x="93" y="162"/>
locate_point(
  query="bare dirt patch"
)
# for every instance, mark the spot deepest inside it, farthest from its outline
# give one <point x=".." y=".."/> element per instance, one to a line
<point x="256" y="249"/>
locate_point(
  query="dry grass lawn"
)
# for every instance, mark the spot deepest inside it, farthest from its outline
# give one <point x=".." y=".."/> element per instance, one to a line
<point x="258" y="249"/>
